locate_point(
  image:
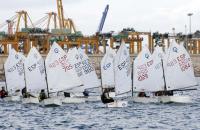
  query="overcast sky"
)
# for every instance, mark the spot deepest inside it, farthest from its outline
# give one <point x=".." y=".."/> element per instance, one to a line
<point x="143" y="15"/>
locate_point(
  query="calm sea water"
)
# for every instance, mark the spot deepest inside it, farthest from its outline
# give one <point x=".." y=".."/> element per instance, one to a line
<point x="94" y="116"/>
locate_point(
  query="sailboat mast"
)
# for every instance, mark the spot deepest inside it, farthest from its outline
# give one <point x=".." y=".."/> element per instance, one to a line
<point x="165" y="86"/>
<point x="25" y="77"/>
<point x="132" y="79"/>
<point x="101" y="77"/>
<point x="5" y="77"/>
<point x="46" y="78"/>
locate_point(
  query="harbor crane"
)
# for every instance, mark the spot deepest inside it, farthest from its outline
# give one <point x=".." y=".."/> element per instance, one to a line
<point x="103" y="18"/>
<point x="46" y="20"/>
<point x="64" y="23"/>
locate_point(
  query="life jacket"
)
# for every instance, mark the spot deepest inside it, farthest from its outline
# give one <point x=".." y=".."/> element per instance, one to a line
<point x="105" y="99"/>
<point x="3" y="93"/>
<point x="42" y="96"/>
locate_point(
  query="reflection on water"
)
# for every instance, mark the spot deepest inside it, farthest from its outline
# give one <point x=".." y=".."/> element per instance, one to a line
<point x="95" y="116"/>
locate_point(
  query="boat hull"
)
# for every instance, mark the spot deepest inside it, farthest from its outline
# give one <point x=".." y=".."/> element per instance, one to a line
<point x="30" y="100"/>
<point x="163" y="99"/>
<point x="51" y="102"/>
<point x="12" y="99"/>
<point x="117" y="104"/>
<point x="93" y="99"/>
<point x="175" y="99"/>
<point x="145" y="99"/>
<point x="72" y="100"/>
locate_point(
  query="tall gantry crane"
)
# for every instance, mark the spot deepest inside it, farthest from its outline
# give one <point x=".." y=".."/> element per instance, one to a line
<point x="15" y="22"/>
<point x="45" y="21"/>
<point x="25" y="17"/>
<point x="64" y="23"/>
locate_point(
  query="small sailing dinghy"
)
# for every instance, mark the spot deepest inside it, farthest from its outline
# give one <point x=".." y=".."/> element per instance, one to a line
<point x="14" y="75"/>
<point x="107" y="71"/>
<point x="122" y="76"/>
<point x="34" y="76"/>
<point x="61" y="74"/>
<point x="178" y="74"/>
<point x="87" y="75"/>
<point x="71" y="94"/>
<point x="147" y="75"/>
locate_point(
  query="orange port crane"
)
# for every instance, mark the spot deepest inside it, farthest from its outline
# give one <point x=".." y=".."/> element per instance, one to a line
<point x="15" y="22"/>
<point x="64" y="23"/>
<point x="23" y="15"/>
<point x="46" y="21"/>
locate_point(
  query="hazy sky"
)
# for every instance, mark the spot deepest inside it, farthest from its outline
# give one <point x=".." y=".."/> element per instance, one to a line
<point x="143" y="15"/>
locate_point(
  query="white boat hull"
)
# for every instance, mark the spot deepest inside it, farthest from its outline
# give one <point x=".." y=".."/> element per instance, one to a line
<point x="117" y="104"/>
<point x="30" y="100"/>
<point x="93" y="99"/>
<point x="12" y="99"/>
<point x="175" y="99"/>
<point x="145" y="99"/>
<point x="163" y="99"/>
<point x="72" y="100"/>
<point x="52" y="102"/>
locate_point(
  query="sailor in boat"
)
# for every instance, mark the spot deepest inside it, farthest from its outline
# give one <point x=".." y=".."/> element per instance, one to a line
<point x="142" y="94"/>
<point x="105" y="97"/>
<point x="67" y="94"/>
<point x="3" y="93"/>
<point x="25" y="94"/>
<point x="164" y="93"/>
<point x="42" y="95"/>
<point x="85" y="93"/>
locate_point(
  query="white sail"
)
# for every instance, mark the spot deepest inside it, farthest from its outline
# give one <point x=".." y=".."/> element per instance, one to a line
<point x="88" y="76"/>
<point x="122" y="69"/>
<point x="61" y="74"/>
<point x="107" y="69"/>
<point x="145" y="74"/>
<point x="179" y="71"/>
<point x="14" y="71"/>
<point x="34" y="71"/>
<point x="158" y="57"/>
<point x="75" y="60"/>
